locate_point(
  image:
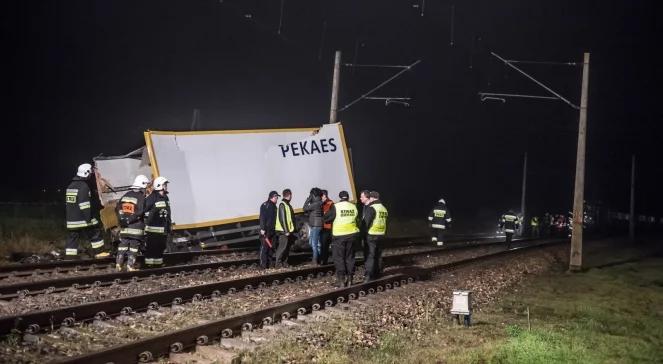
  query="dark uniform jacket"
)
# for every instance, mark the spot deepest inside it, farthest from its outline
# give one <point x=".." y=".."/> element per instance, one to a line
<point x="439" y="216"/>
<point x="157" y="214"/>
<point x="369" y="215"/>
<point x="313" y="206"/>
<point x="131" y="210"/>
<point x="268" y="217"/>
<point x="79" y="207"/>
<point x="509" y="222"/>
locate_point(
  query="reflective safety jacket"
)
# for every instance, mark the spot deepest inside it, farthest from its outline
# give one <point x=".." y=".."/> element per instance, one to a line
<point x="344" y="216"/>
<point x="376" y="218"/>
<point x="510" y="223"/>
<point x="157" y="214"/>
<point x="130" y="210"/>
<point x="534" y="221"/>
<point x="439" y="217"/>
<point x="78" y="205"/>
<point x="285" y="217"/>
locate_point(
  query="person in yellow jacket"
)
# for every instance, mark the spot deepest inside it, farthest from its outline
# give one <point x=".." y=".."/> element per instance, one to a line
<point x="344" y="218"/>
<point x="375" y="220"/>
<point x="285" y="229"/>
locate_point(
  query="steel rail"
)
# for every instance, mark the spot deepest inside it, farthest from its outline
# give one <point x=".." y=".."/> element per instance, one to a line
<point x="152" y="348"/>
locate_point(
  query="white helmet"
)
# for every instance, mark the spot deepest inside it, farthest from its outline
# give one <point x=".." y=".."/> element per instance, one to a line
<point x="140" y="182"/>
<point x="159" y="183"/>
<point x="442" y="201"/>
<point x="84" y="170"/>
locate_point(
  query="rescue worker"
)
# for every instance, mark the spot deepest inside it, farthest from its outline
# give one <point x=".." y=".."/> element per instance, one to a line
<point x="510" y="223"/>
<point x="365" y="199"/>
<point x="81" y="221"/>
<point x="534" y="226"/>
<point x="375" y="218"/>
<point x="326" y="233"/>
<point x="285" y="229"/>
<point x="267" y="230"/>
<point x="131" y="210"/>
<point x="158" y="222"/>
<point x="439" y="218"/>
<point x="344" y="218"/>
<point x="313" y="206"/>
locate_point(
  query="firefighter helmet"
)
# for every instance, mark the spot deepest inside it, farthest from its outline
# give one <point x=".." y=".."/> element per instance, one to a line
<point x="159" y="183"/>
<point x="84" y="170"/>
<point x="140" y="182"/>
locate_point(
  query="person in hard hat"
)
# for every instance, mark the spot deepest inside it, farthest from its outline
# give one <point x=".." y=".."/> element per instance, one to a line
<point x="268" y="230"/>
<point x="158" y="222"/>
<point x="285" y="229"/>
<point x="375" y="219"/>
<point x="81" y="221"/>
<point x="326" y="233"/>
<point x="344" y="217"/>
<point x="131" y="211"/>
<point x="313" y="207"/>
<point x="534" y="226"/>
<point x="439" y="218"/>
<point x="510" y="223"/>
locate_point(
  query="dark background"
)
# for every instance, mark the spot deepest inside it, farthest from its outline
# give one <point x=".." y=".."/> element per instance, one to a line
<point x="87" y="77"/>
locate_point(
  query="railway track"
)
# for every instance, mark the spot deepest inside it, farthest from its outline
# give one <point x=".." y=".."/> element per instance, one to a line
<point x="69" y="316"/>
<point x="152" y="348"/>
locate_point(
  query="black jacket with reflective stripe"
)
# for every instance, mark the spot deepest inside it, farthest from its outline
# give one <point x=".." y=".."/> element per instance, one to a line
<point x="131" y="210"/>
<point x="78" y="207"/>
<point x="157" y="213"/>
<point x="439" y="220"/>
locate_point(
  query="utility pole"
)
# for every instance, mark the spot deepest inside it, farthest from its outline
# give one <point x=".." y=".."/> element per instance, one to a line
<point x="631" y="215"/>
<point x="333" y="112"/>
<point x="575" y="263"/>
<point x="522" y="197"/>
<point x="195" y="119"/>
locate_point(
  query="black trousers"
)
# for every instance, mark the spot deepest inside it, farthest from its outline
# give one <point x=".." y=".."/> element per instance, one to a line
<point x="438" y="236"/>
<point x="267" y="251"/>
<point x="373" y="258"/>
<point x="155" y="244"/>
<point x="325" y="245"/>
<point x="128" y="248"/>
<point x="92" y="234"/>
<point x="344" y="255"/>
<point x="509" y="237"/>
<point x="283" y="248"/>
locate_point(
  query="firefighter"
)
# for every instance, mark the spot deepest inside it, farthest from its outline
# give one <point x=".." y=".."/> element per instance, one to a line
<point x="158" y="222"/>
<point x="82" y="221"/>
<point x="344" y="217"/>
<point x="267" y="230"/>
<point x="439" y="218"/>
<point x="375" y="218"/>
<point x="534" y="225"/>
<point x="285" y="229"/>
<point x="510" y="223"/>
<point x="131" y="210"/>
<point x="326" y="233"/>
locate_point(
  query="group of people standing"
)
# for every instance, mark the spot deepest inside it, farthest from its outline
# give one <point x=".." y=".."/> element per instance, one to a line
<point x="143" y="216"/>
<point x="336" y="227"/>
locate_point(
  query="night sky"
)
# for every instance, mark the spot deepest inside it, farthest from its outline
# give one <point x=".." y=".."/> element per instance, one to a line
<point x="88" y="77"/>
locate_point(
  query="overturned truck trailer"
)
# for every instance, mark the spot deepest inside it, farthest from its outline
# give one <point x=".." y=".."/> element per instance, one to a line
<point x="220" y="178"/>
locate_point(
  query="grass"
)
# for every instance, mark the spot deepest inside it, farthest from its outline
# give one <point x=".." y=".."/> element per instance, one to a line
<point x="609" y="315"/>
<point x="30" y="235"/>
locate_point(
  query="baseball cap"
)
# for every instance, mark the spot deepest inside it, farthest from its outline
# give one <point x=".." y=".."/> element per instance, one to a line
<point x="274" y="193"/>
<point x="344" y="195"/>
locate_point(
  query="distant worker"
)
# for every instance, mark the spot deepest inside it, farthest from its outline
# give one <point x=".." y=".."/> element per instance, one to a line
<point x="158" y="222"/>
<point x="376" y="222"/>
<point x="344" y="217"/>
<point x="534" y="226"/>
<point x="510" y="224"/>
<point x="285" y="229"/>
<point x="131" y="210"/>
<point x="365" y="199"/>
<point x="313" y="206"/>
<point x="82" y="222"/>
<point x="268" y="230"/>
<point x="326" y="233"/>
<point x="439" y="218"/>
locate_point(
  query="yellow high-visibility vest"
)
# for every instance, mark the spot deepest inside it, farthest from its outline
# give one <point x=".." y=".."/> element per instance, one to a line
<point x="379" y="225"/>
<point x="288" y="218"/>
<point x="345" y="222"/>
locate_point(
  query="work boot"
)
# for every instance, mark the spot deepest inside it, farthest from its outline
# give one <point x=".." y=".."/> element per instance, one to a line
<point x="339" y="282"/>
<point x="118" y="267"/>
<point x="346" y="281"/>
<point x="102" y="255"/>
<point x="132" y="269"/>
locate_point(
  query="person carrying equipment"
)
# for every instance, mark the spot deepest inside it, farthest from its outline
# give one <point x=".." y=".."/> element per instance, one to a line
<point x="81" y="220"/>
<point x="130" y="210"/>
<point x="267" y="230"/>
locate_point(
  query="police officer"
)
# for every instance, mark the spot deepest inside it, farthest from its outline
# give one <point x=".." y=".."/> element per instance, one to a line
<point x="375" y="219"/>
<point x="344" y="218"/>
<point x="81" y="220"/>
<point x="268" y="230"/>
<point x="131" y="210"/>
<point x="439" y="218"/>
<point x="285" y="229"/>
<point x="157" y="222"/>
<point x="510" y="223"/>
